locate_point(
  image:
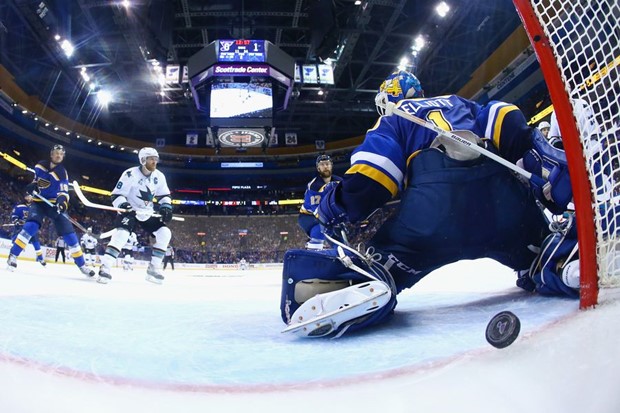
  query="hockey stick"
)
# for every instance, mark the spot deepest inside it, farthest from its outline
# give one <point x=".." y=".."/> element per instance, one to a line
<point x="390" y="108"/>
<point x="71" y="220"/>
<point x="88" y="203"/>
<point x="16" y="162"/>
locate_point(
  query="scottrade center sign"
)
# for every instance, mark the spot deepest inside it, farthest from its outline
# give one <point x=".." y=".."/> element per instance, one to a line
<point x="240" y="70"/>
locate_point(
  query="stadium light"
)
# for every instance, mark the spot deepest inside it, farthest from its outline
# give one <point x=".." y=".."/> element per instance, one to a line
<point x="420" y="42"/>
<point x="442" y="9"/>
<point x="104" y="97"/>
<point x="404" y="62"/>
<point x="67" y="47"/>
<point x="126" y="4"/>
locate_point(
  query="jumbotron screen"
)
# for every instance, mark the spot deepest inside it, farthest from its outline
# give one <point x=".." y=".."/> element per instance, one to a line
<point x="241" y="100"/>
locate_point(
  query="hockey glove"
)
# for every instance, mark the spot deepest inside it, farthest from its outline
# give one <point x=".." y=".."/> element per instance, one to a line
<point x="62" y="203"/>
<point x="550" y="180"/>
<point x="165" y="210"/>
<point x="126" y="206"/>
<point x="32" y="188"/>
<point x="329" y="213"/>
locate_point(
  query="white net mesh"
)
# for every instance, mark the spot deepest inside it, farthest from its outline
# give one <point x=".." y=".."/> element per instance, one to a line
<point x="585" y="38"/>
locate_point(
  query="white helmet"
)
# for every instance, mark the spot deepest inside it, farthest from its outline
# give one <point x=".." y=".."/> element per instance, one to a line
<point x="544" y="125"/>
<point x="145" y="153"/>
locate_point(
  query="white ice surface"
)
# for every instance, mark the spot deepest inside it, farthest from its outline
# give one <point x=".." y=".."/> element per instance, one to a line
<point x="211" y="341"/>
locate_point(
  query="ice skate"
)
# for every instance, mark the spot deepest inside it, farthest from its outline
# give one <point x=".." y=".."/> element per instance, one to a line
<point x="11" y="262"/>
<point x="104" y="274"/>
<point x="42" y="262"/>
<point x="154" y="275"/>
<point x="87" y="271"/>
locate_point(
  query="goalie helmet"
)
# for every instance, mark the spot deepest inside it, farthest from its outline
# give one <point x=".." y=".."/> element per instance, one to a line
<point x="398" y="86"/>
<point x="145" y="153"/>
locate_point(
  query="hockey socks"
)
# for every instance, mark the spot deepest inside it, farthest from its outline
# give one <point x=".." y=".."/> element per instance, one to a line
<point x="23" y="238"/>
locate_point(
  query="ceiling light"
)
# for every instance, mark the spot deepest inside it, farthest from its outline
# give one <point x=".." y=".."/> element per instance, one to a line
<point x="55" y="127"/>
<point x="24" y="111"/>
<point x="90" y="140"/>
<point x="104" y="97"/>
<point x="358" y="2"/>
<point x="99" y="143"/>
<point x="420" y="42"/>
<point x="122" y="149"/>
<point x="47" y="124"/>
<point x="67" y="47"/>
<point x="111" y="146"/>
<point x="126" y="3"/>
<point x="36" y="118"/>
<point x="320" y="92"/>
<point x="442" y="9"/>
<point x="67" y="133"/>
<point x="57" y="37"/>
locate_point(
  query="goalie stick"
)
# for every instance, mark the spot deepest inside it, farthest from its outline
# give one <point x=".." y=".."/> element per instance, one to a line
<point x="88" y="203"/>
<point x="390" y="108"/>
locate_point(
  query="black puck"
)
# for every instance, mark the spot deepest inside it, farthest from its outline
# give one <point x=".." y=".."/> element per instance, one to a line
<point x="503" y="329"/>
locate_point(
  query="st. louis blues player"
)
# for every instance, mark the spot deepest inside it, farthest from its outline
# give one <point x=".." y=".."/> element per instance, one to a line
<point x="51" y="183"/>
<point x="312" y="197"/>
<point x="134" y="193"/>
<point x="455" y="204"/>
<point x="18" y="219"/>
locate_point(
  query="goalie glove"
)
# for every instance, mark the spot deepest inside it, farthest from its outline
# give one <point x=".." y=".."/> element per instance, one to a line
<point x="329" y="213"/>
<point x="550" y="180"/>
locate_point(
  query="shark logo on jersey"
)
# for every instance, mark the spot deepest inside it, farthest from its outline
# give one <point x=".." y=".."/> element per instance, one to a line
<point x="146" y="196"/>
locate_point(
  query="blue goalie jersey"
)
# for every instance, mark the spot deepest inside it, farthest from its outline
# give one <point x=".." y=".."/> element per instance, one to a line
<point x="379" y="165"/>
<point x="53" y="182"/>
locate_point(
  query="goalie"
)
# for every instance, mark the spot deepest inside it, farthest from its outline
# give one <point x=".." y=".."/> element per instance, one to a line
<point x="455" y="204"/>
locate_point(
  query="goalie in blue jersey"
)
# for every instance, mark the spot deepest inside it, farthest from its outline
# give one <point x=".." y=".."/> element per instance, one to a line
<point x="455" y="204"/>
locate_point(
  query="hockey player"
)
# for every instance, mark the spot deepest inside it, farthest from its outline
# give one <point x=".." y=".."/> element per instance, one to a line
<point x="134" y="193"/>
<point x="243" y="264"/>
<point x="128" y="250"/>
<point x="89" y="245"/>
<point x="455" y="204"/>
<point x="312" y="197"/>
<point x="18" y="219"/>
<point x="51" y="183"/>
<point x="543" y="127"/>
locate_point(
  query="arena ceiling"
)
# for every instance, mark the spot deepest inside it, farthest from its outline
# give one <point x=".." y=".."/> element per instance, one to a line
<point x="368" y="39"/>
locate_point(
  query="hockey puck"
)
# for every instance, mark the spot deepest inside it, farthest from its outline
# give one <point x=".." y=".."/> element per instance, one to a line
<point x="503" y="329"/>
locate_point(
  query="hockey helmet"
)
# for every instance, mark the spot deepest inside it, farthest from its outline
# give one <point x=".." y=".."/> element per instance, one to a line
<point x="544" y="125"/>
<point x="398" y="86"/>
<point x="322" y="158"/>
<point x="58" y="148"/>
<point x="145" y="153"/>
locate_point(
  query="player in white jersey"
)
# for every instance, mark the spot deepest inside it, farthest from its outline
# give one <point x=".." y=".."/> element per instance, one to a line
<point x="243" y="264"/>
<point x="89" y="245"/>
<point x="134" y="193"/>
<point x="128" y="249"/>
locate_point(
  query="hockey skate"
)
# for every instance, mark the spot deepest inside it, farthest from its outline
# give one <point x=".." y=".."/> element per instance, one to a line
<point x="153" y="275"/>
<point x="11" y="262"/>
<point x="42" y="262"/>
<point x="87" y="271"/>
<point x="325" y="313"/>
<point x="104" y="275"/>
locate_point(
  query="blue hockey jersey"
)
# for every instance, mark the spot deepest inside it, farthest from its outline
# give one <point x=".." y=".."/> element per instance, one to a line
<point x="312" y="196"/>
<point x="53" y="182"/>
<point x="20" y="213"/>
<point x="378" y="169"/>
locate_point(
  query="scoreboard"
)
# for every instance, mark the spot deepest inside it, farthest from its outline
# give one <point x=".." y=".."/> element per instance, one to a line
<point x="241" y="51"/>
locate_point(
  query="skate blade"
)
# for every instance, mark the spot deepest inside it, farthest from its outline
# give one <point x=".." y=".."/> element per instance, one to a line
<point x="102" y="280"/>
<point x="153" y="280"/>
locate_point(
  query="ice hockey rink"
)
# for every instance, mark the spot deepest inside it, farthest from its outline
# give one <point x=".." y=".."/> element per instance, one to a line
<point x="210" y="340"/>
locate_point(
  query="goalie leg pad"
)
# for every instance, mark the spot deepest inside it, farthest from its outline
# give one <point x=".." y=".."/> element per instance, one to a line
<point x="551" y="274"/>
<point x="327" y="313"/>
<point x="307" y="273"/>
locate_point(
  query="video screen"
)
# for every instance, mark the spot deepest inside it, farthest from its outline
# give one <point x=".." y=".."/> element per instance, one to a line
<point x="241" y="100"/>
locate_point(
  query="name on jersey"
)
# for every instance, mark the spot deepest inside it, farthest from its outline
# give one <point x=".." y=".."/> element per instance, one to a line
<point x="413" y="106"/>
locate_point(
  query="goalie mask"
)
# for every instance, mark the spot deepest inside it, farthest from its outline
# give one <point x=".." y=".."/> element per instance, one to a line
<point x="398" y="86"/>
<point x="145" y="153"/>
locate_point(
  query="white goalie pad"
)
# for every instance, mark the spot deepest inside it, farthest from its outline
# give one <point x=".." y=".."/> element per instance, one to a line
<point x="324" y="314"/>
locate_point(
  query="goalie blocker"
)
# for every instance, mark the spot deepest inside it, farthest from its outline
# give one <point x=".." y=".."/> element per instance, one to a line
<point x="322" y="296"/>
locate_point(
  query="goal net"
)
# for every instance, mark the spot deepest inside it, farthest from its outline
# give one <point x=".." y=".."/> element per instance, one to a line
<point x="577" y="44"/>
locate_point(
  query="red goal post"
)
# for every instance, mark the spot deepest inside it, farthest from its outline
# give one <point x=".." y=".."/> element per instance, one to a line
<point x="576" y="43"/>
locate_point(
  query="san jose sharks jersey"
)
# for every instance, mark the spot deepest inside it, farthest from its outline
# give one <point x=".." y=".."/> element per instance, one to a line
<point x="139" y="190"/>
<point x="132" y="241"/>
<point x="312" y="196"/>
<point x="378" y="169"/>
<point x="89" y="242"/>
<point x="53" y="182"/>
